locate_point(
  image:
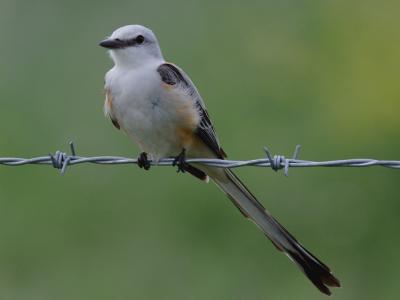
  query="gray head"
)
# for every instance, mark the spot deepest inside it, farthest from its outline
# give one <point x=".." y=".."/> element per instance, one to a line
<point x="132" y="46"/>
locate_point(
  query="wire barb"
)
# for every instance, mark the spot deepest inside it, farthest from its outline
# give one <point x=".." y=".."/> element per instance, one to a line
<point x="278" y="162"/>
<point x="62" y="161"/>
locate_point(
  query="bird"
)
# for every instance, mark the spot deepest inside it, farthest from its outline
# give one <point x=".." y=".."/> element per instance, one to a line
<point x="155" y="103"/>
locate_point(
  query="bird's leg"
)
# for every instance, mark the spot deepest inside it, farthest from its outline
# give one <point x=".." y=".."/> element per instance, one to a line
<point x="180" y="161"/>
<point x="143" y="162"/>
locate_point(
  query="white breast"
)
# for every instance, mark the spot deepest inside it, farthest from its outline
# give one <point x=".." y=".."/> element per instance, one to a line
<point x="147" y="111"/>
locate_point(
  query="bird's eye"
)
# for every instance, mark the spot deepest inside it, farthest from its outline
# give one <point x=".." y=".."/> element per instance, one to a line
<point x="140" y="39"/>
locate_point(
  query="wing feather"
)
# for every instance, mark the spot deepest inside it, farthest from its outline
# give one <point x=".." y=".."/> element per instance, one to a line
<point x="174" y="76"/>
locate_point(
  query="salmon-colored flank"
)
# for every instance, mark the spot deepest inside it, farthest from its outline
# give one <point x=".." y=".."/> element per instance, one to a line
<point x="109" y="110"/>
<point x="108" y="100"/>
<point x="167" y="86"/>
<point x="186" y="137"/>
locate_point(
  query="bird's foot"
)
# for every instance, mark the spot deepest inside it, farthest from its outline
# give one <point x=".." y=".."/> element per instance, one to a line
<point x="180" y="161"/>
<point x="143" y="162"/>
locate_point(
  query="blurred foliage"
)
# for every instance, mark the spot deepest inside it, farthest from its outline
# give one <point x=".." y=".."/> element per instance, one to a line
<point x="320" y="73"/>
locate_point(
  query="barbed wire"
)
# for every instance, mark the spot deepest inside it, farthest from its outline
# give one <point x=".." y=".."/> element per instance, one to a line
<point x="61" y="160"/>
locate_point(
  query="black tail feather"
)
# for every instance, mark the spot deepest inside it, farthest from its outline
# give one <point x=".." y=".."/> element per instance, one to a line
<point x="316" y="271"/>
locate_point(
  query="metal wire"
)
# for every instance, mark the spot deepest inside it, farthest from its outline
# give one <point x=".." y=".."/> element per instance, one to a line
<point x="61" y="161"/>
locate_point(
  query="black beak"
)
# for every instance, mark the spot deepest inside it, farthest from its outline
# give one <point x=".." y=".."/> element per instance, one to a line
<point x="112" y="44"/>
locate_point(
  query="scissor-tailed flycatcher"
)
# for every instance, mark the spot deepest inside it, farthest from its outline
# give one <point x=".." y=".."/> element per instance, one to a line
<point x="156" y="104"/>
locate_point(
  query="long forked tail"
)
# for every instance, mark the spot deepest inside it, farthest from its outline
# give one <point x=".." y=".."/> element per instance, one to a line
<point x="312" y="267"/>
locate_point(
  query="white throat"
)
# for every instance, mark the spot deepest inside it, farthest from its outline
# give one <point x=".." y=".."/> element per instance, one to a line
<point x="136" y="57"/>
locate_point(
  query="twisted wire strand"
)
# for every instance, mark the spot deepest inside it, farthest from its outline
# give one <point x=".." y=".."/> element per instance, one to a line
<point x="61" y="160"/>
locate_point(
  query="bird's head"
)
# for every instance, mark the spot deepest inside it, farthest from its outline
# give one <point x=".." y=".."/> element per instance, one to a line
<point x="132" y="46"/>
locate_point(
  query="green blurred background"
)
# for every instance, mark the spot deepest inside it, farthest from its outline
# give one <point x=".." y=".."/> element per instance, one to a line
<point x="320" y="73"/>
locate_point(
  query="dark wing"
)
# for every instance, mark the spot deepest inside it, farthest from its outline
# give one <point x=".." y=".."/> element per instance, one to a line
<point x="115" y="122"/>
<point x="172" y="75"/>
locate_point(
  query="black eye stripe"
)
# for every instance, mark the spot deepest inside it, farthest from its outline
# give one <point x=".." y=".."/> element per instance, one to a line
<point x="135" y="41"/>
<point x="130" y="42"/>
